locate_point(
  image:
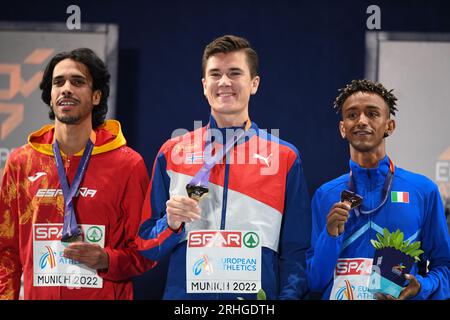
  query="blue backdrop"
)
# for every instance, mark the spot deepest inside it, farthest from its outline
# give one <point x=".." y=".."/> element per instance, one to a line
<point x="307" y="50"/>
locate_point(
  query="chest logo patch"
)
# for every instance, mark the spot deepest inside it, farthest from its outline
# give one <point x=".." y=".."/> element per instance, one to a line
<point x="399" y="197"/>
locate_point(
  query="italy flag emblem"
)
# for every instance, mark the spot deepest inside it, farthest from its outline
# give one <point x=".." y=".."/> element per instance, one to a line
<point x="399" y="196"/>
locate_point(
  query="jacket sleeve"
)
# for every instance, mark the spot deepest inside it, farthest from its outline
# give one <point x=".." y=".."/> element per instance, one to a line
<point x="325" y="249"/>
<point x="125" y="261"/>
<point x="295" y="235"/>
<point x="436" y="246"/>
<point x="10" y="265"/>
<point x="155" y="239"/>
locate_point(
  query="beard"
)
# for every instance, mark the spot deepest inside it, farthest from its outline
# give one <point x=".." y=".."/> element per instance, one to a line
<point x="68" y="119"/>
<point x="76" y="118"/>
<point x="365" y="147"/>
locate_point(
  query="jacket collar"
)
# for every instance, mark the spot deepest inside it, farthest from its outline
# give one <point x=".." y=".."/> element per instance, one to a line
<point x="251" y="129"/>
<point x="108" y="136"/>
<point x="370" y="176"/>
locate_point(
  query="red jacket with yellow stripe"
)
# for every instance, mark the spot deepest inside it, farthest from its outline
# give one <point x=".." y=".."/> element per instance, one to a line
<point x="262" y="188"/>
<point x="32" y="207"/>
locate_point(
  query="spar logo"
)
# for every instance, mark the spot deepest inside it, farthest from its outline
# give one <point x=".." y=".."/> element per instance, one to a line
<point x="94" y="234"/>
<point x="346" y="292"/>
<point x="224" y="239"/>
<point x="48" y="259"/>
<point x="202" y="264"/>
<point x="251" y="240"/>
<point x="350" y="267"/>
<point x="49" y="232"/>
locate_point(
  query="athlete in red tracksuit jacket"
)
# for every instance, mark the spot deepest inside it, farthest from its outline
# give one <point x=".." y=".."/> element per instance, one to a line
<point x="107" y="203"/>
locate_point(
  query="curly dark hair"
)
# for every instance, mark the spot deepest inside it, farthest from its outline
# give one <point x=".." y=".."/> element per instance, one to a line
<point x="100" y="80"/>
<point x="231" y="43"/>
<point x="365" y="85"/>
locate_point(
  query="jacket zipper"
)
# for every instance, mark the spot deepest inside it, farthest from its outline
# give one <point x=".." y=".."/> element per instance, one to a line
<point x="369" y="233"/>
<point x="67" y="161"/>
<point x="225" y="193"/>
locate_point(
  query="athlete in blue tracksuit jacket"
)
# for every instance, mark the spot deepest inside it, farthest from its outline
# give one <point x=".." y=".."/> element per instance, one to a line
<point x="340" y="243"/>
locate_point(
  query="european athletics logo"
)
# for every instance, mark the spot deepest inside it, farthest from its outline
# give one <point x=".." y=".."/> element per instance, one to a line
<point x="202" y="264"/>
<point x="346" y="292"/>
<point x="48" y="258"/>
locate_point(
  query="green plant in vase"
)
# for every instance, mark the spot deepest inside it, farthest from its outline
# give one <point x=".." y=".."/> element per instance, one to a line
<point x="395" y="240"/>
<point x="393" y="258"/>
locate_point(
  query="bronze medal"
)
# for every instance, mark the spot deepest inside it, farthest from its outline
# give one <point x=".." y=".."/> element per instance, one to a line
<point x="352" y="197"/>
<point x="72" y="238"/>
<point x="196" y="192"/>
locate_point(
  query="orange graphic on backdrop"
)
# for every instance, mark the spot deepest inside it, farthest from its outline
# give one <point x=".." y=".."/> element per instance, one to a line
<point x="445" y="155"/>
<point x="17" y="84"/>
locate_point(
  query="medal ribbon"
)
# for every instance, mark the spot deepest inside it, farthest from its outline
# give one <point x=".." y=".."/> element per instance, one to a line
<point x="70" y="227"/>
<point x="385" y="193"/>
<point x="201" y="178"/>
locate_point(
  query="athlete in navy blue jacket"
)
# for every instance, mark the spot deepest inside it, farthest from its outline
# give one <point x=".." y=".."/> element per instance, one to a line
<point x="340" y="259"/>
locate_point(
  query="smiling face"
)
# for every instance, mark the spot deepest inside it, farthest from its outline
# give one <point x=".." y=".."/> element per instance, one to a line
<point x="365" y="120"/>
<point x="228" y="86"/>
<point x="72" y="97"/>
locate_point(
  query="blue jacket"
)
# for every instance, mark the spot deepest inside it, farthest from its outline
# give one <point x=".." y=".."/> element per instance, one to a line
<point x="239" y="198"/>
<point x="421" y="219"/>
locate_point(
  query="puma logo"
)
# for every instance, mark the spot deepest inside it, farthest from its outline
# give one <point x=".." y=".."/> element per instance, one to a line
<point x="36" y="176"/>
<point x="264" y="159"/>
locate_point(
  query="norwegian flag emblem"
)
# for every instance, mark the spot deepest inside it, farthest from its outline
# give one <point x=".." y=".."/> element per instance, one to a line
<point x="194" y="158"/>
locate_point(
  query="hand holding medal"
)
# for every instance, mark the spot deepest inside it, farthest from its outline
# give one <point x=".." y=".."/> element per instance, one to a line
<point x="181" y="209"/>
<point x="351" y="198"/>
<point x="339" y="212"/>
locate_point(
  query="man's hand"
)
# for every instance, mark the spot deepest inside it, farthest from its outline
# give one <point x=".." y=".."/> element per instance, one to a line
<point x="181" y="209"/>
<point x="91" y="255"/>
<point x="337" y="217"/>
<point x="410" y="291"/>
